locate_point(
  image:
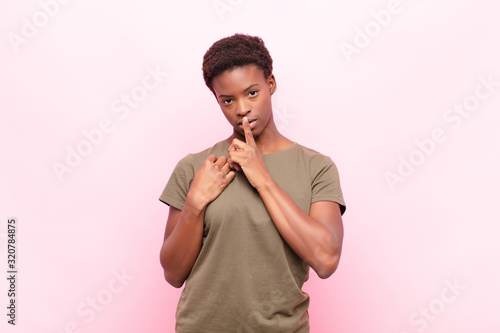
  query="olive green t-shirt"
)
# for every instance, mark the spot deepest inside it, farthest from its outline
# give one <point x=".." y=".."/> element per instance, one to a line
<point x="246" y="278"/>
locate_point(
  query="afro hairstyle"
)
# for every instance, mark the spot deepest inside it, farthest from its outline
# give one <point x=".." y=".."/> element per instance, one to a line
<point x="235" y="51"/>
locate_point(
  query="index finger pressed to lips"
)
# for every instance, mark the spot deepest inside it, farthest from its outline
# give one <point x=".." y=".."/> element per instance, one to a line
<point x="248" y="132"/>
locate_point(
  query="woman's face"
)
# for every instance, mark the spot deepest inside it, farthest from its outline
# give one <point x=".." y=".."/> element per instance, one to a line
<point x="245" y="92"/>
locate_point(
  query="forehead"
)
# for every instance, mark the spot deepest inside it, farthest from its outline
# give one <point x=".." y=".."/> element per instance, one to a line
<point x="238" y="78"/>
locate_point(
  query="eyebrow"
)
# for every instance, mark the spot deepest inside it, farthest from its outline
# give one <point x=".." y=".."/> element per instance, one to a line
<point x="249" y="87"/>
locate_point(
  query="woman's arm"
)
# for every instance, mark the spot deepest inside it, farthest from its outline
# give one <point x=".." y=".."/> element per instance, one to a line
<point x="317" y="237"/>
<point x="182" y="243"/>
<point x="184" y="230"/>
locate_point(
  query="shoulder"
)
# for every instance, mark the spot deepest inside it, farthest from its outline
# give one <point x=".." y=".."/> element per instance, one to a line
<point x="325" y="178"/>
<point x="313" y="157"/>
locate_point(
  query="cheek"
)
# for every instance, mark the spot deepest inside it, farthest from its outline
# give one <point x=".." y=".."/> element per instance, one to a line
<point x="225" y="111"/>
<point x="229" y="116"/>
<point x="266" y="108"/>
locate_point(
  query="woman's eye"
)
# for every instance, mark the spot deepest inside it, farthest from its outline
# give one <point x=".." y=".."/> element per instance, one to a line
<point x="253" y="93"/>
<point x="226" y="101"/>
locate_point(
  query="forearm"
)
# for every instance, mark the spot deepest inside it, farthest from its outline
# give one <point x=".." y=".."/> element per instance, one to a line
<point x="181" y="248"/>
<point x="184" y="231"/>
<point x="318" y="245"/>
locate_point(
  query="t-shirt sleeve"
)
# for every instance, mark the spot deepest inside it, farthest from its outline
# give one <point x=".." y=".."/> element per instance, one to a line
<point x="178" y="185"/>
<point x="326" y="183"/>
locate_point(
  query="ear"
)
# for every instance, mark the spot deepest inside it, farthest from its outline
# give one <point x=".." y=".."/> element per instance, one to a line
<point x="271" y="83"/>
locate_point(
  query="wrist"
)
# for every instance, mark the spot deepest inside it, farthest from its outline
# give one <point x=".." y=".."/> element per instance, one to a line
<point x="265" y="185"/>
<point x="194" y="203"/>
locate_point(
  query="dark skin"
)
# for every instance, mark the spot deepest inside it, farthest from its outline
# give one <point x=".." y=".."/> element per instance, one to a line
<point x="244" y="95"/>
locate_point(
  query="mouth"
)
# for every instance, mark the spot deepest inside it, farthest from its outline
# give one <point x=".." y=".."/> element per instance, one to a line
<point x="251" y="122"/>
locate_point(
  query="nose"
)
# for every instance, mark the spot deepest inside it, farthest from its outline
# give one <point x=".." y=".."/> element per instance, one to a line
<point x="243" y="108"/>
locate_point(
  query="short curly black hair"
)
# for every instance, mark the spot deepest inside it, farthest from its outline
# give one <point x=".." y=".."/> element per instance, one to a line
<point x="235" y="51"/>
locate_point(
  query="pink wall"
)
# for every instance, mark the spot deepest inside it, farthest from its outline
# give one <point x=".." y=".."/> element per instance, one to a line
<point x="403" y="95"/>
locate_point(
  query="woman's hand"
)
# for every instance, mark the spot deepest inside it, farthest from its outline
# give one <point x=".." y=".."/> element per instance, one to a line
<point x="210" y="180"/>
<point x="246" y="156"/>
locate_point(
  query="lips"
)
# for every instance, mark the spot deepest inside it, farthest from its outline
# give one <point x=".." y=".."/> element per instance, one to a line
<point x="251" y="122"/>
